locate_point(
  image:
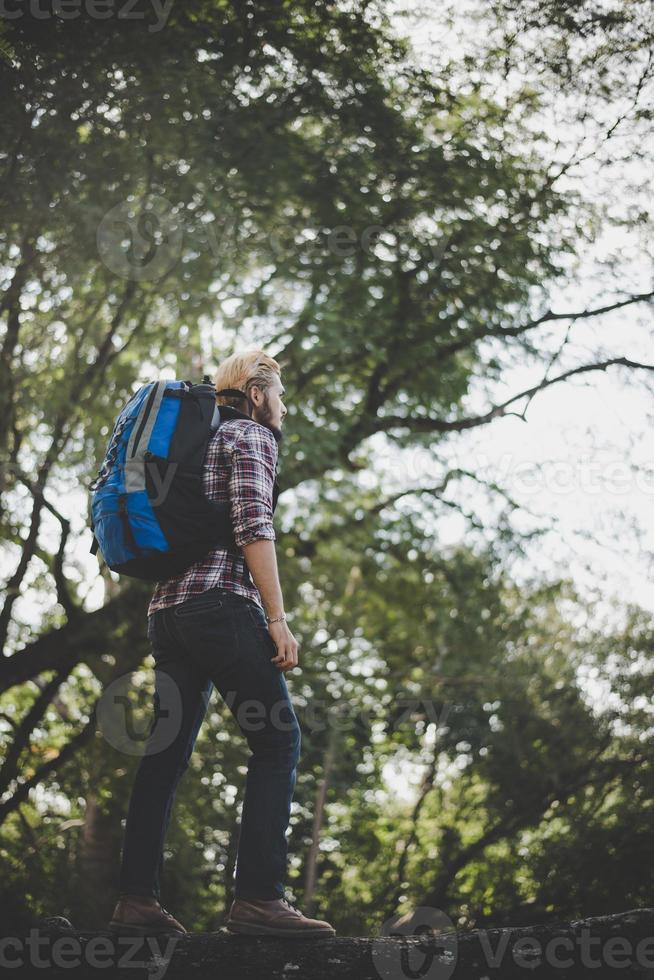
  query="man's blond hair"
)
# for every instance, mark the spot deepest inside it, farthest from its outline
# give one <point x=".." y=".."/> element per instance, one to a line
<point x="242" y="370"/>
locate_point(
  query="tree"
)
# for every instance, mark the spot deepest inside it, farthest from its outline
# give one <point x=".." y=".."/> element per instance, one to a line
<point x="391" y="234"/>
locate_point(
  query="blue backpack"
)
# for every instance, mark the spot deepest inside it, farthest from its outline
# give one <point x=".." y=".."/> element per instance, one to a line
<point x="150" y="516"/>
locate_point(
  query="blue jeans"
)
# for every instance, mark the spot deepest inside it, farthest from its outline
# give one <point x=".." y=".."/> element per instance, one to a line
<point x="217" y="638"/>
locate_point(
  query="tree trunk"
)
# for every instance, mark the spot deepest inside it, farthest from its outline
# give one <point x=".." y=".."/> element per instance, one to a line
<point x="587" y="948"/>
<point x="99" y="863"/>
<point x="310" y="877"/>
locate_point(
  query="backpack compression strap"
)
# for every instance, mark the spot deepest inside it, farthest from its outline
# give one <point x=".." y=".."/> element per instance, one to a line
<point x="237" y="393"/>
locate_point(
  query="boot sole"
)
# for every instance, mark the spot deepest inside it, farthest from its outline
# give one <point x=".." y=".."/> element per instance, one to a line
<point x="252" y="929"/>
<point x="122" y="929"/>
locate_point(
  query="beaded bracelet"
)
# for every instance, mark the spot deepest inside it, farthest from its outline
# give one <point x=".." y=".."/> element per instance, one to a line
<point x="277" y="619"/>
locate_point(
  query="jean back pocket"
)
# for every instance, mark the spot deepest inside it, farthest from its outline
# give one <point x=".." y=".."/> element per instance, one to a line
<point x="196" y="604"/>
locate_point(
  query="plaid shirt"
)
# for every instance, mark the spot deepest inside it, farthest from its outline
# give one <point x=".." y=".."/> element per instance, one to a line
<point x="240" y="466"/>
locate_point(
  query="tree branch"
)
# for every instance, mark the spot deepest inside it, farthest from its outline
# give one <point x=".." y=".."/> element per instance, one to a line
<point x="446" y="351"/>
<point x="58" y="441"/>
<point x="118" y="624"/>
<point x="66" y="753"/>
<point x="417" y="424"/>
<point x="21" y="738"/>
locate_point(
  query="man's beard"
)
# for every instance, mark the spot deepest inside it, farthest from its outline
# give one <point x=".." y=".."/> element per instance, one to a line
<point x="264" y="417"/>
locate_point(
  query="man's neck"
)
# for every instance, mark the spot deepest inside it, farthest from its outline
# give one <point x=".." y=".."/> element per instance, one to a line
<point x="227" y="411"/>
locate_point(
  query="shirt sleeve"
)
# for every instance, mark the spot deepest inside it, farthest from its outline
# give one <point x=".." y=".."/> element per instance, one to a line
<point x="254" y="462"/>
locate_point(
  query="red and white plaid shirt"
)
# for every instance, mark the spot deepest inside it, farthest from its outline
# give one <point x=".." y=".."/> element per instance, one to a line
<point x="240" y="466"/>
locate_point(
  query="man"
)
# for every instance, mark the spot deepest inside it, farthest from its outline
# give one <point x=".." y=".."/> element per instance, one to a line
<point x="221" y="622"/>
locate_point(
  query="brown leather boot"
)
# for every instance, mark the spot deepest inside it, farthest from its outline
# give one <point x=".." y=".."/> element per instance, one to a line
<point x="273" y="918"/>
<point x="136" y="915"/>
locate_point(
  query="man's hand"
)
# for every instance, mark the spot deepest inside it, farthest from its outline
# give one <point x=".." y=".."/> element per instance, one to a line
<point x="286" y="645"/>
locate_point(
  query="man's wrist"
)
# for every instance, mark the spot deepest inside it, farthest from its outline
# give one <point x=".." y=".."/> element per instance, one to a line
<point x="277" y="617"/>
